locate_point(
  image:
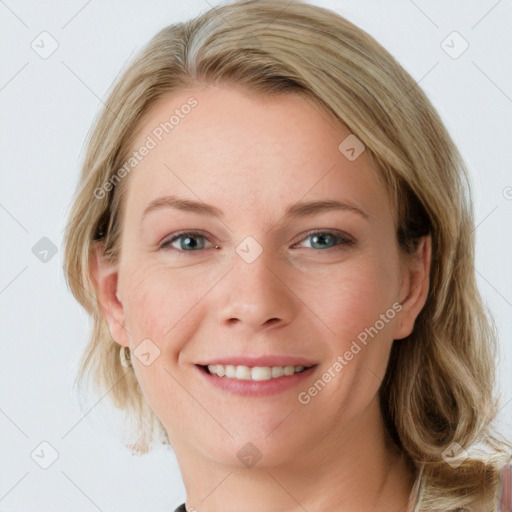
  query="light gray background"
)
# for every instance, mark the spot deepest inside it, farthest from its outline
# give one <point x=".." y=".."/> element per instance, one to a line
<point x="48" y="106"/>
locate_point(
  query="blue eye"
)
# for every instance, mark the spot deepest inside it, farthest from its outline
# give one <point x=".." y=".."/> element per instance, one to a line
<point x="187" y="241"/>
<point x="324" y="240"/>
<point x="190" y="241"/>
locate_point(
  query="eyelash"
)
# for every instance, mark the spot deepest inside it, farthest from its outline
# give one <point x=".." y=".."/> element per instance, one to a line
<point x="339" y="237"/>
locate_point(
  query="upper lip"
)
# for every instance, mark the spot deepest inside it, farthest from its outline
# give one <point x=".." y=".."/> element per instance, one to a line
<point x="274" y="360"/>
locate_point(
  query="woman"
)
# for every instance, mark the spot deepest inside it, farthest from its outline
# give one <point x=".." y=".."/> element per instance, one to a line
<point x="274" y="236"/>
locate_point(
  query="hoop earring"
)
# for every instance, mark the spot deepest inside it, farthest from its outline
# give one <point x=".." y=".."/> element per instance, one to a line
<point x="124" y="354"/>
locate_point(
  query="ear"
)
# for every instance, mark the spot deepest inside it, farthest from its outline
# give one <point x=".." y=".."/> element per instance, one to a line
<point x="414" y="287"/>
<point x="104" y="275"/>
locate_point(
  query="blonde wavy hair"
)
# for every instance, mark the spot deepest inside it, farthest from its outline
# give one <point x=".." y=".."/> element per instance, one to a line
<point x="440" y="385"/>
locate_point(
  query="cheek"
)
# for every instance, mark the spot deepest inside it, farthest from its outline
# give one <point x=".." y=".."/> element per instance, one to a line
<point x="159" y="324"/>
<point x="353" y="297"/>
<point x="359" y="306"/>
<point x="158" y="300"/>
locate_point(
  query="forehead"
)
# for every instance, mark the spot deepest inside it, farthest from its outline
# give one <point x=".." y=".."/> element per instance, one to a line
<point x="229" y="145"/>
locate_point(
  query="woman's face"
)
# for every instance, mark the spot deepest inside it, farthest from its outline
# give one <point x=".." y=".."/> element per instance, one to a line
<point x="289" y="284"/>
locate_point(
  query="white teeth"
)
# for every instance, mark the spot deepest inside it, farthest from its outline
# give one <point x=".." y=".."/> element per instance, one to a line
<point x="242" y="372"/>
<point x="277" y="371"/>
<point x="261" y="373"/>
<point x="289" y="370"/>
<point x="255" y="373"/>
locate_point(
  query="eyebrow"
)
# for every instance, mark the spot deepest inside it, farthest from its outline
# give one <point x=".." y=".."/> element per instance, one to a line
<point x="297" y="210"/>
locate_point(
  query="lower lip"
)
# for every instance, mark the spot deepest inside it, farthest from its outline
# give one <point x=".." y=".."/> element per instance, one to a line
<point x="256" y="387"/>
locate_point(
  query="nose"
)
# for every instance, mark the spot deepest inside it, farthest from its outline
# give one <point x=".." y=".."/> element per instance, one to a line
<point x="255" y="295"/>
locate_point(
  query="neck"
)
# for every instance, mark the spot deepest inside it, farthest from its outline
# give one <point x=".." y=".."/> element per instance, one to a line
<point x="356" y="470"/>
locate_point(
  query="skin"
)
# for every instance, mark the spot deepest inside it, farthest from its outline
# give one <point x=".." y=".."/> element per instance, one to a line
<point x="252" y="157"/>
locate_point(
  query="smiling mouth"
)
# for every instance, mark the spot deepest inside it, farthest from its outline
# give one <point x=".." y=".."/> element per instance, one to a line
<point x="252" y="373"/>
